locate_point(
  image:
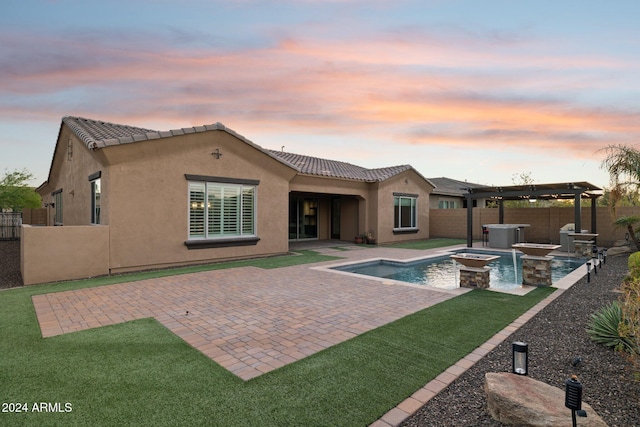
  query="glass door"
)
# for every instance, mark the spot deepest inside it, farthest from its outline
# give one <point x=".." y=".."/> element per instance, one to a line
<point x="303" y="218"/>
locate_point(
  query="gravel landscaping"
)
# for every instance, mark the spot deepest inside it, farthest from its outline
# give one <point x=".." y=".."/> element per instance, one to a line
<point x="556" y="337"/>
<point x="10" y="264"/>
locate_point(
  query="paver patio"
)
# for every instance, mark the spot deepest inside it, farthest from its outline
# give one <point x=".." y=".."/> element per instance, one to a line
<point x="249" y="320"/>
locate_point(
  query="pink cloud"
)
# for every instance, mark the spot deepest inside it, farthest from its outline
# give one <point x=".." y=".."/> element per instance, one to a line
<point x="400" y="88"/>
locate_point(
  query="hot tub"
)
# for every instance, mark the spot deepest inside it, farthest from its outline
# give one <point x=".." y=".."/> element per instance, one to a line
<point x="503" y="236"/>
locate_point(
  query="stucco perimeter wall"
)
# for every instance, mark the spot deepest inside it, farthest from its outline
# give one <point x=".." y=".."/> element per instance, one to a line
<point x="50" y="254"/>
<point x="545" y="222"/>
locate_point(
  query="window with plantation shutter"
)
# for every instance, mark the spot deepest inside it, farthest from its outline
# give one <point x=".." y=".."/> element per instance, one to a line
<point x="227" y="211"/>
<point x="196" y="210"/>
<point x="247" y="210"/>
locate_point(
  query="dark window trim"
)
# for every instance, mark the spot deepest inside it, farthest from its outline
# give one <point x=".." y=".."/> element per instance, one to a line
<point x="56" y="192"/>
<point x="221" y="243"/>
<point x="405" y="231"/>
<point x="95" y="176"/>
<point x="405" y="195"/>
<point x="221" y="179"/>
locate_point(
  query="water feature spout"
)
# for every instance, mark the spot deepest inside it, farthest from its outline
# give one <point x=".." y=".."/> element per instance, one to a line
<point x="515" y="267"/>
<point x="455" y="272"/>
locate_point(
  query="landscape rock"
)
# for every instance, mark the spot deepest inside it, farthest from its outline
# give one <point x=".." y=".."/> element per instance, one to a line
<point x="617" y="250"/>
<point x="520" y="400"/>
<point x="618" y="243"/>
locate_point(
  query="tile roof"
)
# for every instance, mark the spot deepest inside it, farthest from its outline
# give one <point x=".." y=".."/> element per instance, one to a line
<point x="335" y="169"/>
<point x="99" y="134"/>
<point x="451" y="187"/>
<point x="95" y="133"/>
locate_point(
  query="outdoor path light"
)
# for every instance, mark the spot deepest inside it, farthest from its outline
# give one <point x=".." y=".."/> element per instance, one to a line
<point x="600" y="259"/>
<point x="573" y="398"/>
<point x="588" y="271"/>
<point x="520" y="358"/>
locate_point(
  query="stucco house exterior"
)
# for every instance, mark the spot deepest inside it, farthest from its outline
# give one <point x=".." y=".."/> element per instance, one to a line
<point x="206" y="193"/>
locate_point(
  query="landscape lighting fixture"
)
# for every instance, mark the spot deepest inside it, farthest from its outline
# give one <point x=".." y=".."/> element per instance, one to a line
<point x="573" y="398"/>
<point x="520" y="358"/>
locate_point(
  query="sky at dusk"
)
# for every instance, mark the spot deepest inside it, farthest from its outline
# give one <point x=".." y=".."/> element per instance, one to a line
<point x="471" y="90"/>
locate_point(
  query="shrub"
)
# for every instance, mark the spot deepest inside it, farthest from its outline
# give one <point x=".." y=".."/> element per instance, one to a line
<point x="634" y="265"/>
<point x="630" y="327"/>
<point x="605" y="328"/>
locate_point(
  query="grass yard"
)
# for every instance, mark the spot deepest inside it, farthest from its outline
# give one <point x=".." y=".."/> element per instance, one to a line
<point x="139" y="373"/>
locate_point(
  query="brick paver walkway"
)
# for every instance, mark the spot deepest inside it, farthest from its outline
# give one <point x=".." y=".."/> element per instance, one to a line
<point x="248" y="320"/>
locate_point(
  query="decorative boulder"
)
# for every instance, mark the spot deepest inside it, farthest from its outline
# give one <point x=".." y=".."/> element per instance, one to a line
<point x="617" y="250"/>
<point x="519" y="400"/>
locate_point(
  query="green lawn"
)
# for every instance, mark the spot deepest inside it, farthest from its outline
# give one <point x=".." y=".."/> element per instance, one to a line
<point x="139" y="373"/>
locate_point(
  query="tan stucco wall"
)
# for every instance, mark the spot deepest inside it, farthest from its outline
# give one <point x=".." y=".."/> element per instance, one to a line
<point x="71" y="174"/>
<point x="371" y="207"/>
<point x="314" y="184"/>
<point x="349" y="224"/>
<point x="545" y="222"/>
<point x="145" y="195"/>
<point x="49" y="254"/>
<point x="149" y="198"/>
<point x="409" y="183"/>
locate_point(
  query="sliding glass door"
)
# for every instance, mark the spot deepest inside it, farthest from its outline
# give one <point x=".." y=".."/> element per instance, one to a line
<point x="303" y="218"/>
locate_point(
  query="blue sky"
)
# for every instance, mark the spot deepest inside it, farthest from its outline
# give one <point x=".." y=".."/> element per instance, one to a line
<point x="472" y="90"/>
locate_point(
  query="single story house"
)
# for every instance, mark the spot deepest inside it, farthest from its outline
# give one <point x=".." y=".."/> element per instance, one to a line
<point x="206" y="193"/>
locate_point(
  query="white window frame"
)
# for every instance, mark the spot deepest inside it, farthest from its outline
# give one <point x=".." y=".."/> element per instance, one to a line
<point x="96" y="196"/>
<point x="57" y="206"/>
<point x="220" y="229"/>
<point x="448" y="204"/>
<point x="413" y="206"/>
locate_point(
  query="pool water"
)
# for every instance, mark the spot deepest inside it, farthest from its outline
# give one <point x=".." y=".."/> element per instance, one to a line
<point x="443" y="272"/>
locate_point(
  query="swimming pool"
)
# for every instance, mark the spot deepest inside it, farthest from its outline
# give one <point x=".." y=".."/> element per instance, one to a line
<point x="443" y="272"/>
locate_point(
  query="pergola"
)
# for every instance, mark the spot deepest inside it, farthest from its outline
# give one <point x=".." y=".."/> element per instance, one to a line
<point x="566" y="190"/>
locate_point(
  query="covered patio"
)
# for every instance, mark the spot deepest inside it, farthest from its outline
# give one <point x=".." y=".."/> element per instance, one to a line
<point x="557" y="191"/>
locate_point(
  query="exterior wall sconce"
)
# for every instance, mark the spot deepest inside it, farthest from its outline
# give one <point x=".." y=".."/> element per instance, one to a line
<point x="573" y="398"/>
<point x="217" y="154"/>
<point x="520" y="358"/>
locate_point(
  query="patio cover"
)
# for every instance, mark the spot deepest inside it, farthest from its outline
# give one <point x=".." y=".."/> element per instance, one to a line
<point x="565" y="190"/>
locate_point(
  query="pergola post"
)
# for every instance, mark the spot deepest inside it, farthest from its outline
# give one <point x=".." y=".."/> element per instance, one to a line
<point x="577" y="217"/>
<point x="593" y="215"/>
<point x="469" y="221"/>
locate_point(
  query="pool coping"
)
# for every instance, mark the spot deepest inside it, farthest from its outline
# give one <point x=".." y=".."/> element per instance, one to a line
<point x="564" y="283"/>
